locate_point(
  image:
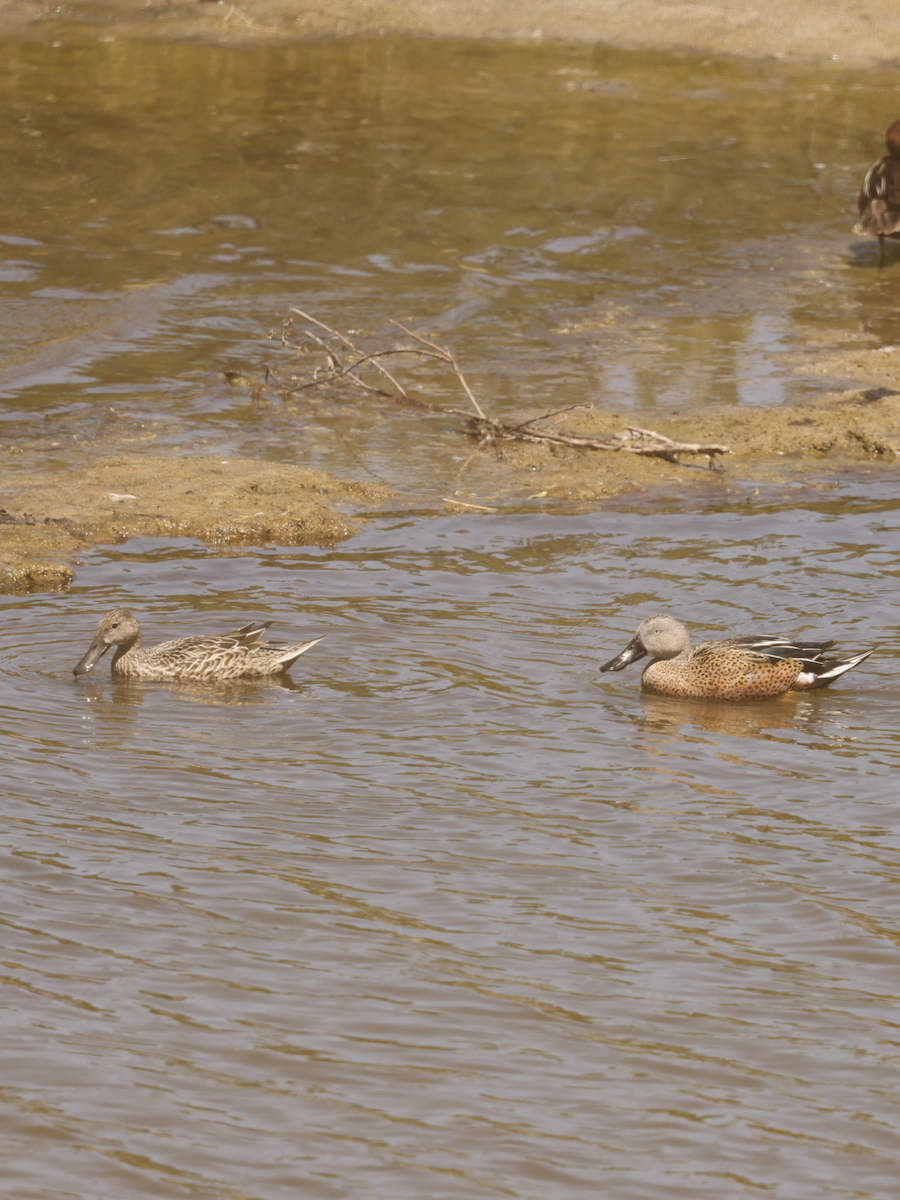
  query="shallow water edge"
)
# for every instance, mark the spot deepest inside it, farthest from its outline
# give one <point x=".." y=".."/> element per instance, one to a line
<point x="108" y="492"/>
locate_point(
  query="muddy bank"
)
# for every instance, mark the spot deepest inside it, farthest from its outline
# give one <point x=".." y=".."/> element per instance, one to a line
<point x="49" y="516"/>
<point x="836" y="429"/>
<point x="800" y="29"/>
<point x="835" y="432"/>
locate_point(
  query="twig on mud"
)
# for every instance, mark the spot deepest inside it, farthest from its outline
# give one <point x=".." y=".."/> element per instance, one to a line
<point x="633" y="441"/>
<point x="556" y="413"/>
<point x="462" y="504"/>
<point x="487" y="429"/>
<point x="234" y="11"/>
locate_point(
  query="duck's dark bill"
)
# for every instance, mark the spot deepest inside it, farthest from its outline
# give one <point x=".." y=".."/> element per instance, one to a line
<point x="93" y="656"/>
<point x="632" y="652"/>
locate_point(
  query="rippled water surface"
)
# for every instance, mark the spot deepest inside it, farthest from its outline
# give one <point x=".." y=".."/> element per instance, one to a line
<point x="451" y="915"/>
<point x="446" y="914"/>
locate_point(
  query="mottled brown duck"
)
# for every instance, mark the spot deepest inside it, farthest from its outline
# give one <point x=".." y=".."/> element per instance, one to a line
<point x="737" y="668"/>
<point x="879" y="196"/>
<point x="238" y="655"/>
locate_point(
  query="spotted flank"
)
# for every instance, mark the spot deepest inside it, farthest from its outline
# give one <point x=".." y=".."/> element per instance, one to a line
<point x="738" y="668"/>
<point x="238" y="655"/>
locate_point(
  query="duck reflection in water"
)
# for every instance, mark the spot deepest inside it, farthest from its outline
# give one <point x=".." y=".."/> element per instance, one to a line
<point x="879" y="196"/>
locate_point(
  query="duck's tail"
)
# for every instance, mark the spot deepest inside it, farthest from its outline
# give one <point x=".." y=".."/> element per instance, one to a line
<point x="288" y="655"/>
<point x="879" y="218"/>
<point x="828" y="670"/>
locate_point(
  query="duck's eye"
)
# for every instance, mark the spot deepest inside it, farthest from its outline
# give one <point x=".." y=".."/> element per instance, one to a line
<point x="115" y="624"/>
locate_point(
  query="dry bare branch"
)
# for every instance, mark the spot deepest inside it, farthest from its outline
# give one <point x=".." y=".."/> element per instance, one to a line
<point x="633" y="440"/>
<point x="463" y="504"/>
<point x="348" y="343"/>
<point x="444" y="353"/>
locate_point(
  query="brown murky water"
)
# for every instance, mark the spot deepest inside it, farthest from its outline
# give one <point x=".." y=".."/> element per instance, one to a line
<point x="449" y="915"/>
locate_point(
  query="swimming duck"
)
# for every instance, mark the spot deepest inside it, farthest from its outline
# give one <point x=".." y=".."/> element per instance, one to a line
<point x="879" y="196"/>
<point x="237" y="655"/>
<point x="738" y="668"/>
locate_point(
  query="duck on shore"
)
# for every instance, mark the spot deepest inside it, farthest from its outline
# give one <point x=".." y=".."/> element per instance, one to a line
<point x="879" y="196"/>
<point x="238" y="655"/>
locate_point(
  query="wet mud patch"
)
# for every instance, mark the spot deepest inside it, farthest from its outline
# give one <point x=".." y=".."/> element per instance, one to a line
<point x="49" y="516"/>
<point x="819" y="438"/>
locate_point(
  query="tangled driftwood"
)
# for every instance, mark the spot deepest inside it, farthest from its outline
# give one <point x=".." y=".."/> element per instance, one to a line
<point x="336" y="371"/>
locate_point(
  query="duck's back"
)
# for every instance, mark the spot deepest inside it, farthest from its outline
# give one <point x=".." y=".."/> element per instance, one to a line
<point x="219" y="656"/>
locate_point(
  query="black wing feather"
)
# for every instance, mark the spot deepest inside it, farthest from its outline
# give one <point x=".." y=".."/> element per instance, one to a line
<point x="776" y="649"/>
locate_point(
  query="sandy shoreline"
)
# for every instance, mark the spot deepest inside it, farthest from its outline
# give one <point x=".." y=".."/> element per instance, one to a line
<point x="794" y="29"/>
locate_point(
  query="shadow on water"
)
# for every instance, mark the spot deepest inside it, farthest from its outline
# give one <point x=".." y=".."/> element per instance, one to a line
<point x="671" y="718"/>
<point x="132" y="692"/>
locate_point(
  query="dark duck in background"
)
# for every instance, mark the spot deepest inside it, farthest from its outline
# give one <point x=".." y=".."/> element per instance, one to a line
<point x="879" y="196"/>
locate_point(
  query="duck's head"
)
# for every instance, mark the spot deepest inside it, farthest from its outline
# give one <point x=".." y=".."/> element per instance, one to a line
<point x="892" y="140"/>
<point x="115" y="628"/>
<point x="660" y="637"/>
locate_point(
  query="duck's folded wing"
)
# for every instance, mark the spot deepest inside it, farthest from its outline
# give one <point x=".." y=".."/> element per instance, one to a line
<point x="247" y="637"/>
<point x="776" y="649"/>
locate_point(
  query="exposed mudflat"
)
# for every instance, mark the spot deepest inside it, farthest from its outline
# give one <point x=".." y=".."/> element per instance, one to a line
<point x="827" y="434"/>
<point x="867" y="32"/>
<point x="48" y="516"/>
